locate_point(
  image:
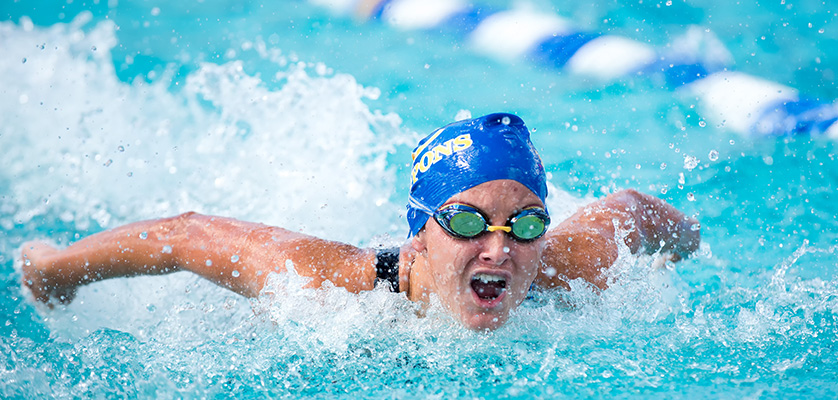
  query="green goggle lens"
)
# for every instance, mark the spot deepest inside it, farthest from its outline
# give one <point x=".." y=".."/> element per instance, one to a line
<point x="528" y="227"/>
<point x="466" y="222"/>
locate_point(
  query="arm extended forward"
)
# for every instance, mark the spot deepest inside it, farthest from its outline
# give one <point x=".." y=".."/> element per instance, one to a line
<point x="234" y="254"/>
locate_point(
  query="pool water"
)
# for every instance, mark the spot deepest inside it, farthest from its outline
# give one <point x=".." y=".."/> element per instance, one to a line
<point x="291" y="114"/>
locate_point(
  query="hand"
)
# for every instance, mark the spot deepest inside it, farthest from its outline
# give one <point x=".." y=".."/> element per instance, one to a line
<point x="41" y="278"/>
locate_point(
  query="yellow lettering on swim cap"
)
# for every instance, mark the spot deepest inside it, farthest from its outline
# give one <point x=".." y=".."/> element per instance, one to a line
<point x="462" y="142"/>
<point x="413" y="174"/>
<point x="437" y="153"/>
<point x="444" y="149"/>
<point x="424" y="145"/>
<point x="426" y="161"/>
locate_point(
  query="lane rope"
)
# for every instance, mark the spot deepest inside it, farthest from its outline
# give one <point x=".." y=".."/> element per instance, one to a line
<point x="697" y="63"/>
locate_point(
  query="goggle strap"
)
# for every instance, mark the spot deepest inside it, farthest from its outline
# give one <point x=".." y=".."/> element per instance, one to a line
<point x="415" y="203"/>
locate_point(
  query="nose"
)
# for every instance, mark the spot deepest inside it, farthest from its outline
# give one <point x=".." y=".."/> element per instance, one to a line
<point x="496" y="248"/>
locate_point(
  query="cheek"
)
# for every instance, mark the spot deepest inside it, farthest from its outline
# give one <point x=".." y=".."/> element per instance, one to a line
<point x="445" y="261"/>
<point x="446" y="250"/>
<point x="448" y="259"/>
<point x="529" y="259"/>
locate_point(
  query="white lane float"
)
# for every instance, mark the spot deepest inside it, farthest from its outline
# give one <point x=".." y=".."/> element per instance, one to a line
<point x="696" y="63"/>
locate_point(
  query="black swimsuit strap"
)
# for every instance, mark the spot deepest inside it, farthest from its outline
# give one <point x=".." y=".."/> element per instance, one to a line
<point x="387" y="267"/>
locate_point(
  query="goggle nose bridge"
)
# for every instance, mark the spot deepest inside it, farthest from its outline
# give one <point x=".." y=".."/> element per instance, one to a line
<point x="446" y="215"/>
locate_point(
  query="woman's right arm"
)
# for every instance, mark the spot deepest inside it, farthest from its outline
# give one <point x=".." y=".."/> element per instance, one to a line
<point x="234" y="254"/>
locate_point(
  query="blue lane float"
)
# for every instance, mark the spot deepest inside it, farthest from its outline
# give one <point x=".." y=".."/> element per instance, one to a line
<point x="696" y="63"/>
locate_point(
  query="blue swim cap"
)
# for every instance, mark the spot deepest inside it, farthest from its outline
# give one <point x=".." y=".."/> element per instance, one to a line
<point x="462" y="155"/>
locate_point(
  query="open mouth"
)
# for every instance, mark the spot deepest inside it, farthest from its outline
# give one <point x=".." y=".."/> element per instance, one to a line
<point x="488" y="287"/>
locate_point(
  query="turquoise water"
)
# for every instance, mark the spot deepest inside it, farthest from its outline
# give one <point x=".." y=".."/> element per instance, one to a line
<point x="287" y="114"/>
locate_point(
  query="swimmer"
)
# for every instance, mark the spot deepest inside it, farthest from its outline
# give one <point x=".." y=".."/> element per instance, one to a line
<point x="478" y="236"/>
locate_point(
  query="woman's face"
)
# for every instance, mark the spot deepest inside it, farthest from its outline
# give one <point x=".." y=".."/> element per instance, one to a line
<point x="481" y="280"/>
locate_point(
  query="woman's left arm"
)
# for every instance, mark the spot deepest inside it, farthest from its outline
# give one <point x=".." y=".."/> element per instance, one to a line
<point x="584" y="245"/>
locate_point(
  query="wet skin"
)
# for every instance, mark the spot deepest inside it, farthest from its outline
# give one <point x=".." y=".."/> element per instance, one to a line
<point x="479" y="281"/>
<point x="449" y="267"/>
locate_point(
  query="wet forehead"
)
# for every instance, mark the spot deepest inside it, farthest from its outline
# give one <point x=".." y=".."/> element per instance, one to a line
<point x="499" y="198"/>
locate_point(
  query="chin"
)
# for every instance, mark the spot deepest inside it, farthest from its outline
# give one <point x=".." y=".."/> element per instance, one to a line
<point x="485" y="321"/>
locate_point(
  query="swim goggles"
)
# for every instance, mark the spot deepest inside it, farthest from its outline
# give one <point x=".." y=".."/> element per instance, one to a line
<point x="466" y="222"/>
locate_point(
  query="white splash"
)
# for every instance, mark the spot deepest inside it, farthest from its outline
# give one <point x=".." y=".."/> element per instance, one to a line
<point x="90" y="147"/>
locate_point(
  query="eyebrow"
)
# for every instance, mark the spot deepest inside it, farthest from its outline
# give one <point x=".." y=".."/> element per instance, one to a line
<point x="485" y="214"/>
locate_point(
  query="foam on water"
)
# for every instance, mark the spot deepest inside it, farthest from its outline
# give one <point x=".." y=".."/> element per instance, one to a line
<point x="101" y="149"/>
<point x="189" y="341"/>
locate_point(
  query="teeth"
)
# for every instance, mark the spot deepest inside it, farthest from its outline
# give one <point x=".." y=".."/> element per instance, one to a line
<point x="486" y="278"/>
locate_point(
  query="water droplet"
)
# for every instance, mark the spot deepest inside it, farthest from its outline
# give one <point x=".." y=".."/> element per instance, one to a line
<point x="732" y="141"/>
<point x="714" y="155"/>
<point x="462" y="115"/>
<point x="506" y="249"/>
<point x="690" y="197"/>
<point x="702" y="124"/>
<point x="209" y="263"/>
<point x="167" y="249"/>
<point x="234" y="258"/>
<point x="695" y="227"/>
<point x="143" y="235"/>
<point x="24" y="60"/>
<point x="121" y="148"/>
<point x="236" y="274"/>
<point x="27" y="262"/>
<point x="108" y="163"/>
<point x="151" y="308"/>
<point x="690" y="162"/>
<point x="93" y="48"/>
<point x="505" y="120"/>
